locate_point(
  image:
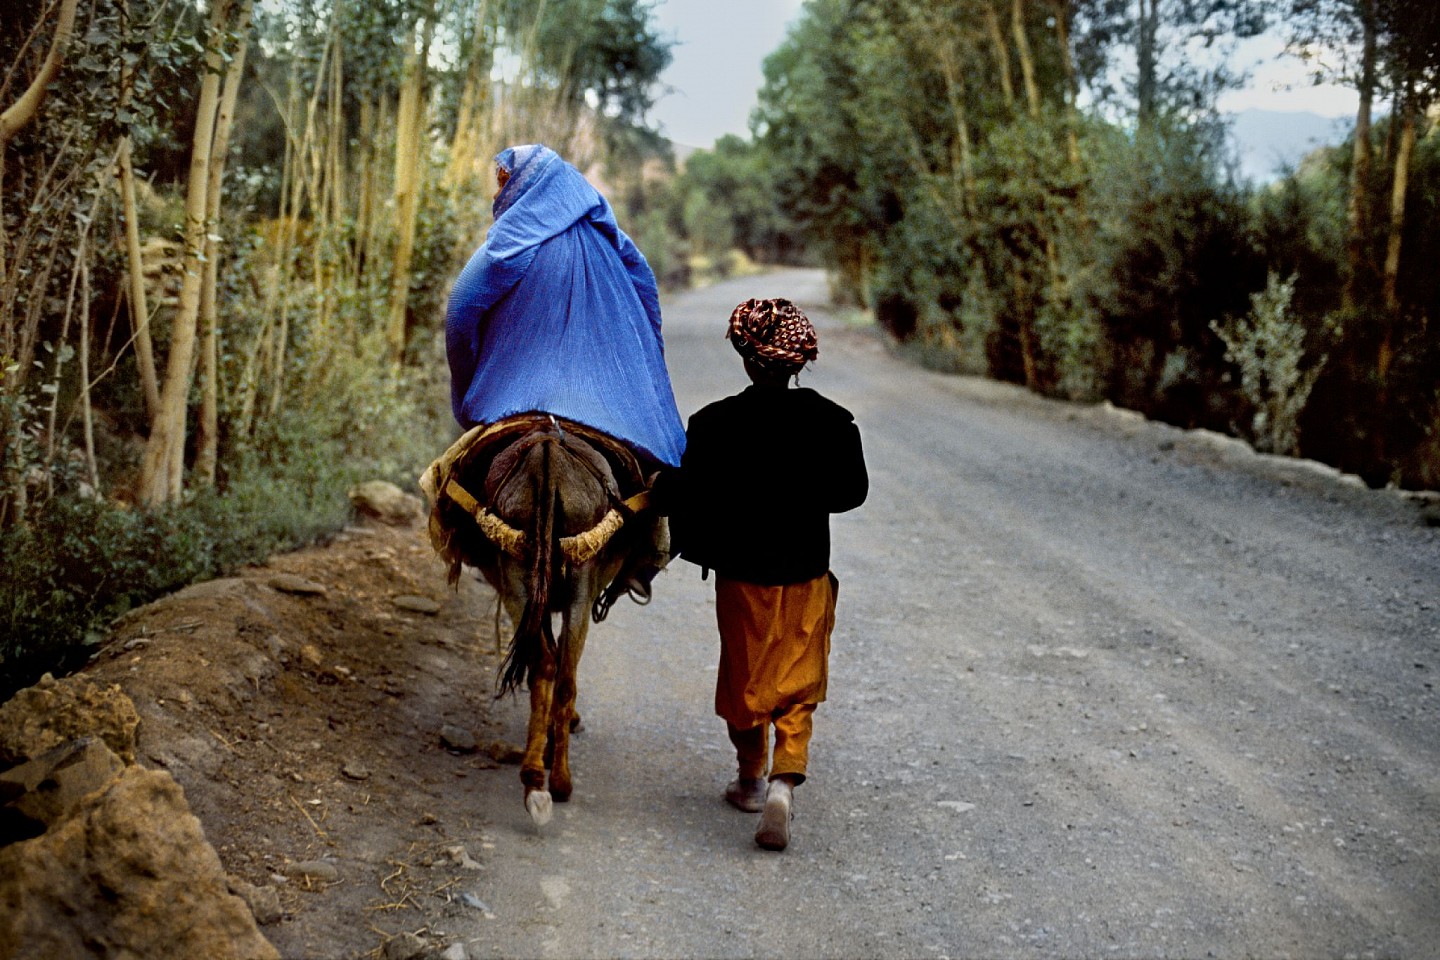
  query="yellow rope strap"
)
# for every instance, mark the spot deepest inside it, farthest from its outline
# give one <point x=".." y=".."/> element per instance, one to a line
<point x="582" y="548"/>
<point x="579" y="549"/>
<point x="497" y="531"/>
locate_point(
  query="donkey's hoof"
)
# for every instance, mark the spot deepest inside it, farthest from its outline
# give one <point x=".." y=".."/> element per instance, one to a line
<point x="537" y="803"/>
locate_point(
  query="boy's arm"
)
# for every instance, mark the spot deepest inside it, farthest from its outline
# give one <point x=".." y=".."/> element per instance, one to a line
<point x="683" y="497"/>
<point x="849" y="480"/>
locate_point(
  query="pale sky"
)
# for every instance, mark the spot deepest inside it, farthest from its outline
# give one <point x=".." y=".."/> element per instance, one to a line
<point x="716" y="70"/>
<point x="1279" y="82"/>
<point x="716" y="73"/>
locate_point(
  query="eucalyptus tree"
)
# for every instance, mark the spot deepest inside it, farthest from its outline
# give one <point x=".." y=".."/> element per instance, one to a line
<point x="90" y="105"/>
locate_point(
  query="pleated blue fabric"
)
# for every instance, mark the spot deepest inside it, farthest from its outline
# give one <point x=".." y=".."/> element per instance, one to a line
<point x="559" y="313"/>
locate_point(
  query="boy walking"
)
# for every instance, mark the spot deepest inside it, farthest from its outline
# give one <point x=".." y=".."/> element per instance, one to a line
<point x="761" y="473"/>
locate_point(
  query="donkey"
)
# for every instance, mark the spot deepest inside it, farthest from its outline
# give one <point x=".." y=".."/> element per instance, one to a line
<point x="556" y="532"/>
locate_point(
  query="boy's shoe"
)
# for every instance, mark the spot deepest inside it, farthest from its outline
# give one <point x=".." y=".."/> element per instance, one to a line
<point x="746" y="794"/>
<point x="774" y="830"/>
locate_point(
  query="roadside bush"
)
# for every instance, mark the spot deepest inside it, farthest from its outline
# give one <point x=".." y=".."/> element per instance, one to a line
<point x="77" y="564"/>
<point x="1268" y="346"/>
<point x="80" y="562"/>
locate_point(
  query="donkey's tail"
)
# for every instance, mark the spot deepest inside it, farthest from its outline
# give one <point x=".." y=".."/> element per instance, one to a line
<point x="534" y="634"/>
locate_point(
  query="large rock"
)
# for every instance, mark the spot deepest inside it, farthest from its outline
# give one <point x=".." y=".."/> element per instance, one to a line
<point x="42" y="793"/>
<point x="129" y="874"/>
<point x="385" y="502"/>
<point x="54" y="712"/>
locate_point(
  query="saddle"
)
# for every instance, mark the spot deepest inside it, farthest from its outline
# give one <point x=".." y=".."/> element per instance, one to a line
<point x="454" y="485"/>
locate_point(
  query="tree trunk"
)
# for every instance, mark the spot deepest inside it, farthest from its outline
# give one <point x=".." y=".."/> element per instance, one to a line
<point x="87" y="414"/>
<point x="410" y="122"/>
<point x="475" y="97"/>
<point x="1027" y="62"/>
<point x="962" y="155"/>
<point x="1001" y="52"/>
<point x="1024" y="322"/>
<point x="1405" y="116"/>
<point x="139" y="305"/>
<point x="15" y="117"/>
<point x="137" y="298"/>
<point x="162" y="467"/>
<point x="208" y="436"/>
<point x="1357" y="208"/>
<point x="1146" y="84"/>
<point x="1072" y="86"/>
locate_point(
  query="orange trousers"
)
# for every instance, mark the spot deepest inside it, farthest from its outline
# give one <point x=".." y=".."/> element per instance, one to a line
<point x="774" y="668"/>
<point x="792" y="743"/>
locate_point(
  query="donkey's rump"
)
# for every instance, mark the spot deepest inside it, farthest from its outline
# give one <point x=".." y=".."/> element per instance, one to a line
<point x="465" y="478"/>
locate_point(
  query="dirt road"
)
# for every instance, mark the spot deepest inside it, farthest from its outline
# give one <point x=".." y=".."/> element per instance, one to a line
<point x="1099" y="688"/>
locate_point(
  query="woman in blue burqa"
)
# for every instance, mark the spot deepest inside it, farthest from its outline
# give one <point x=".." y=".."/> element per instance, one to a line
<point x="559" y="313"/>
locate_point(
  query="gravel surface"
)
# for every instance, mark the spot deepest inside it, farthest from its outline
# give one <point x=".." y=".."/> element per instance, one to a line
<point x="1099" y="687"/>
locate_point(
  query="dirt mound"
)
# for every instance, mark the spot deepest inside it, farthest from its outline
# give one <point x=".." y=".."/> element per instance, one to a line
<point x="99" y="857"/>
<point x="52" y="713"/>
<point x="128" y="873"/>
<point x="321" y="713"/>
<point x="301" y="706"/>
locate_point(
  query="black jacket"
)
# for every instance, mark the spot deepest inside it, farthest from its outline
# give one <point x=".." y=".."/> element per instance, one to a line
<point x="762" y="472"/>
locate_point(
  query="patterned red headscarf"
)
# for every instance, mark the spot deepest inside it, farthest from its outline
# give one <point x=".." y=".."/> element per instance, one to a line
<point x="773" y="333"/>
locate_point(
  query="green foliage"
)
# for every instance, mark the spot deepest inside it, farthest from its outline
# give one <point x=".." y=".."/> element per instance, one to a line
<point x="664" y="247"/>
<point x="1173" y="252"/>
<point x="994" y="228"/>
<point x="80" y="562"/>
<point x="1268" y="347"/>
<point x="606" y="52"/>
<point x="729" y="200"/>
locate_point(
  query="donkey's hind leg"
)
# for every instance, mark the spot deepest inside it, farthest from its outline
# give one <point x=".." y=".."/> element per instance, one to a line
<point x="532" y="768"/>
<point x="575" y="625"/>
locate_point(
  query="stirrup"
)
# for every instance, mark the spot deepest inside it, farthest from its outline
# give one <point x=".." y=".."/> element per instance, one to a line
<point x="601" y="608"/>
<point x="638" y="592"/>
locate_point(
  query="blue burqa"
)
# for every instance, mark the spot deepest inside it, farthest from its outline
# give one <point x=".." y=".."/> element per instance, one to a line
<point x="558" y="313"/>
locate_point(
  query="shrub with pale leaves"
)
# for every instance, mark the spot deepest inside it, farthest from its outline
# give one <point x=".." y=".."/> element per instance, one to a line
<point x="1268" y="345"/>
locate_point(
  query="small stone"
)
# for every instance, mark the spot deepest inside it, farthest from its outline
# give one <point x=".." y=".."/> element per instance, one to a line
<point x="461" y="858"/>
<point x="502" y="752"/>
<point x="959" y="806"/>
<point x="413" y="604"/>
<point x="456" y="951"/>
<point x="407" y="946"/>
<point x="385" y="502"/>
<point x="457" y="738"/>
<point x="264" y="902"/>
<point x="311" y="870"/>
<point x="292" y="583"/>
<point x="474" y="902"/>
<point x="212" y="589"/>
<point x="355" y="770"/>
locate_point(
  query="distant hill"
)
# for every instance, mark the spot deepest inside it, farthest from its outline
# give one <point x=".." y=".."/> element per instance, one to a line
<point x="1266" y="140"/>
